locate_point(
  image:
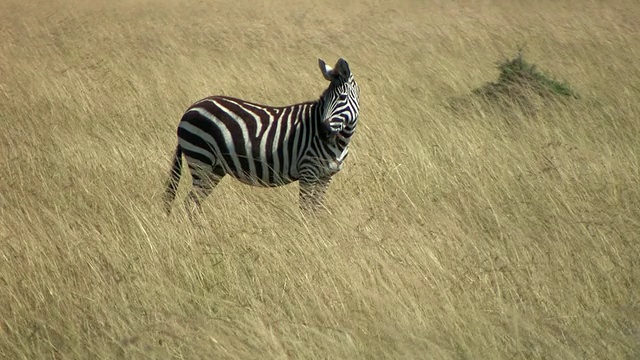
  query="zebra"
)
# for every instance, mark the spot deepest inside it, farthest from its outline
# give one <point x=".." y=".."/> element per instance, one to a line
<point x="268" y="146"/>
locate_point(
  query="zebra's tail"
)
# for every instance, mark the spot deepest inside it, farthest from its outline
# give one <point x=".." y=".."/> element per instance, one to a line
<point x="174" y="179"/>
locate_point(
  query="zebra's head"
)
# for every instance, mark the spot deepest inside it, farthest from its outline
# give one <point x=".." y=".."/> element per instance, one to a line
<point x="341" y="100"/>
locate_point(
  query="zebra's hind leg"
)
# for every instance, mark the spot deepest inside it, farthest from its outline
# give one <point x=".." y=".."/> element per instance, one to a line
<point x="312" y="193"/>
<point x="204" y="180"/>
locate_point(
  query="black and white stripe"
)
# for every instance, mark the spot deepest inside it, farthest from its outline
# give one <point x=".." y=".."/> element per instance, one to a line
<point x="266" y="145"/>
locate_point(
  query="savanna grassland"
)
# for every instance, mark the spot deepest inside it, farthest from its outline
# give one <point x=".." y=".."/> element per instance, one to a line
<point x="474" y="232"/>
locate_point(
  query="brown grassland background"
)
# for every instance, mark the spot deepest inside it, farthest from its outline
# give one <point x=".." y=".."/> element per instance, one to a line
<point x="486" y="232"/>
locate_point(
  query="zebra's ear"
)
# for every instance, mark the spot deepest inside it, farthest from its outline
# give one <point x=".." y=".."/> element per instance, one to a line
<point x="327" y="71"/>
<point x="342" y="69"/>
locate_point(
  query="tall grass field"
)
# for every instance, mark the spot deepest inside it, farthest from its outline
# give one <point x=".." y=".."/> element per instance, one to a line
<point x="463" y="225"/>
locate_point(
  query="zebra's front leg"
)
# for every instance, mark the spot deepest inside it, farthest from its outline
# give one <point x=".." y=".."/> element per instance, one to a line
<point x="312" y="193"/>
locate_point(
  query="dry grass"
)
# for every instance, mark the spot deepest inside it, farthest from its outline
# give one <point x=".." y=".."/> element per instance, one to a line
<point x="483" y="233"/>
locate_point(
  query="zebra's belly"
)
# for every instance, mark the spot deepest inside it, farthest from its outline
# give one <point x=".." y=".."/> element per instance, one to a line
<point x="256" y="176"/>
<point x="260" y="183"/>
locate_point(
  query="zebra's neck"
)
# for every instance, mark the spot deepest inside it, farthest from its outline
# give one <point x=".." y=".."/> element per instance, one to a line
<point x="309" y="144"/>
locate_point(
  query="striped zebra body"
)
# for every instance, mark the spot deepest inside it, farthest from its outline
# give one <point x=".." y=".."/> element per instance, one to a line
<point x="268" y="146"/>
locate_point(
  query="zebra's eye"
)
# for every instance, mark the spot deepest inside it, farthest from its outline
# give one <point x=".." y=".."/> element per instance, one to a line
<point x="342" y="97"/>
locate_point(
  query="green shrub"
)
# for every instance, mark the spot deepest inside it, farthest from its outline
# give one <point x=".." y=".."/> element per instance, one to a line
<point x="519" y="84"/>
<point x="517" y="78"/>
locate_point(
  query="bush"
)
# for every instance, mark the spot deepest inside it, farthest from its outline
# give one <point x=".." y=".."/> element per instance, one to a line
<point x="520" y="84"/>
<point x="517" y="77"/>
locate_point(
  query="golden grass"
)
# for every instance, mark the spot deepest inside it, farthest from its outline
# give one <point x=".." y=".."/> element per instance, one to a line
<point x="484" y="233"/>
